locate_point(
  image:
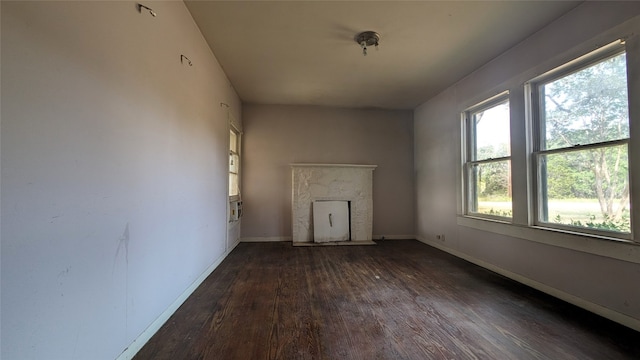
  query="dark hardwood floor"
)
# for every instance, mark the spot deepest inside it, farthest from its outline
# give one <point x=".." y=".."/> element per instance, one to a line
<point x="396" y="300"/>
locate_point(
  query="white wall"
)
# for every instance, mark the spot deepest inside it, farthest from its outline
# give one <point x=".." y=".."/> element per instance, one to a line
<point x="276" y="136"/>
<point x="114" y="172"/>
<point x="599" y="275"/>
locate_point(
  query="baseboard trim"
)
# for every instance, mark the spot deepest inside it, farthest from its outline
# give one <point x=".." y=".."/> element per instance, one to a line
<point x="289" y="238"/>
<point x="144" y="337"/>
<point x="266" y="239"/>
<point x="233" y="246"/>
<point x="394" y="237"/>
<point x="612" y="315"/>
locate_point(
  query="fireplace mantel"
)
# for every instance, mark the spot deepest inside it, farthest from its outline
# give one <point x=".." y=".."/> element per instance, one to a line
<point x="348" y="182"/>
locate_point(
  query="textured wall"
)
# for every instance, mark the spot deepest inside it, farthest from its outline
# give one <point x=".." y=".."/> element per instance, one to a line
<point x="114" y="172"/>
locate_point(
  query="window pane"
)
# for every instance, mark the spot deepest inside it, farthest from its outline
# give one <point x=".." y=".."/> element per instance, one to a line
<point x="587" y="188"/>
<point x="233" y="141"/>
<point x="491" y="188"/>
<point x="233" y="185"/>
<point x="234" y="162"/>
<point x="491" y="129"/>
<point x="587" y="107"/>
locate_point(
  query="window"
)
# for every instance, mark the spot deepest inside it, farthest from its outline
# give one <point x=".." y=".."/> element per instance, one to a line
<point x="234" y="163"/>
<point x="580" y="142"/>
<point x="488" y="165"/>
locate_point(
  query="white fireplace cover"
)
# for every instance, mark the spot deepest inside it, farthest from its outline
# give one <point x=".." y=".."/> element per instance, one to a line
<point x="330" y="221"/>
<point x="340" y="182"/>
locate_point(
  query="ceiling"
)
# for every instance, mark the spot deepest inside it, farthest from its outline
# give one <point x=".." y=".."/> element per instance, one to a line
<point x="304" y="53"/>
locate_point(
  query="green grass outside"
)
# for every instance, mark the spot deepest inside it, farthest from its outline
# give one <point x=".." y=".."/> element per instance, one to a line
<point x="568" y="209"/>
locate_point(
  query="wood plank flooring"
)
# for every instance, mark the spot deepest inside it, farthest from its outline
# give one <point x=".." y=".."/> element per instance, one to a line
<point x="396" y="300"/>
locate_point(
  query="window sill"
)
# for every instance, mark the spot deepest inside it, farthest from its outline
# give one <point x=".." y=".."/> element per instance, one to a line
<point x="624" y="250"/>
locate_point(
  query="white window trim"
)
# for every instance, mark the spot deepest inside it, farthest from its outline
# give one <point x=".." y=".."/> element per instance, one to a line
<point x="614" y="248"/>
<point x="532" y="112"/>
<point x="522" y="226"/>
<point x="469" y="136"/>
<point x="238" y="133"/>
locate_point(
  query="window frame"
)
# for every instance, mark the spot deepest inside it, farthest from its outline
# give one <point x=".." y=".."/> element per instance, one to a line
<point x="538" y="137"/>
<point x="236" y="152"/>
<point x="469" y="141"/>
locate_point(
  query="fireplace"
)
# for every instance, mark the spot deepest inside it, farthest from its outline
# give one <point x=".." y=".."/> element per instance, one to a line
<point x="335" y="183"/>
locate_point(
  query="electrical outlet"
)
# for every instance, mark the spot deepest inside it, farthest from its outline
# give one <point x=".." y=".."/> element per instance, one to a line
<point x="440" y="237"/>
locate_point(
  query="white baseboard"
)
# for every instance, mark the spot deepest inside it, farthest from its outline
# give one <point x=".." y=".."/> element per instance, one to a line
<point x="289" y="238"/>
<point x="613" y="315"/>
<point x="266" y="239"/>
<point x="144" y="337"/>
<point x="233" y="246"/>
<point x="394" y="237"/>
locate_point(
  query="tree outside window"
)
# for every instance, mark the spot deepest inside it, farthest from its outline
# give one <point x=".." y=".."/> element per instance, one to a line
<point x="583" y="148"/>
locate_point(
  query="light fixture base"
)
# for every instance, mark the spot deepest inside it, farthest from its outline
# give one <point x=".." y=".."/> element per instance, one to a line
<point x="366" y="39"/>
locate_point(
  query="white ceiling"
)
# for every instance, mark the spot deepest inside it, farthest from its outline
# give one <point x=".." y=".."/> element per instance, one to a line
<point x="303" y="52"/>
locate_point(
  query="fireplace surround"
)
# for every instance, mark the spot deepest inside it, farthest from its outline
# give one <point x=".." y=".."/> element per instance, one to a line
<point x="337" y="182"/>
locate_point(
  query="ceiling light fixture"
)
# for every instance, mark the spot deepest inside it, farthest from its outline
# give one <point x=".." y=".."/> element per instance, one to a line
<point x="367" y="38"/>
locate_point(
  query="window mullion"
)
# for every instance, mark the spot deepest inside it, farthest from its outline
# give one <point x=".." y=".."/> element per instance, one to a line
<point x="491" y="160"/>
<point x="584" y="147"/>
